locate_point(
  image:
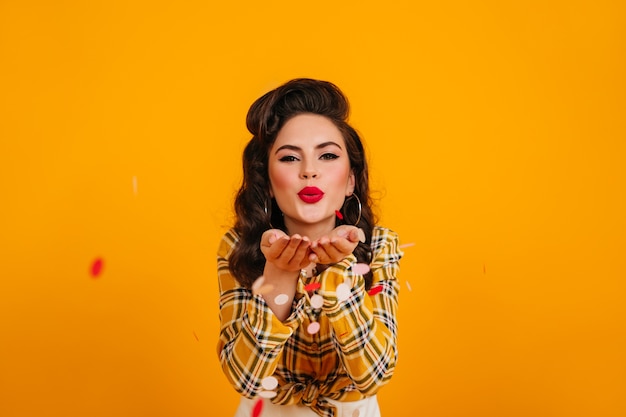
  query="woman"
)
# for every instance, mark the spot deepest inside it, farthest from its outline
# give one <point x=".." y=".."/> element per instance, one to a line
<point x="308" y="287"/>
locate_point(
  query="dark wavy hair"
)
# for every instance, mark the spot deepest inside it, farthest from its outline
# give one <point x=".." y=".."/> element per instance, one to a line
<point x="255" y="210"/>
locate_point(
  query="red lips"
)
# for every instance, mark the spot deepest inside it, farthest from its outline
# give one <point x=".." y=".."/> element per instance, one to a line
<point x="310" y="195"/>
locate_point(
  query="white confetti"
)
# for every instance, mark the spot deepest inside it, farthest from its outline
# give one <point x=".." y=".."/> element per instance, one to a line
<point x="260" y="287"/>
<point x="281" y="299"/>
<point x="269" y="383"/>
<point x="267" y="394"/>
<point x="343" y="292"/>
<point x="135" y="184"/>
<point x="409" y="286"/>
<point x="317" y="301"/>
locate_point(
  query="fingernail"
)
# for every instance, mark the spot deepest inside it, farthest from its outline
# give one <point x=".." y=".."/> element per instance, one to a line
<point x="342" y="233"/>
<point x="361" y="234"/>
<point x="272" y="239"/>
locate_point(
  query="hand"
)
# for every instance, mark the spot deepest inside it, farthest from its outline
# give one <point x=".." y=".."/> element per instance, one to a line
<point x="285" y="252"/>
<point x="337" y="245"/>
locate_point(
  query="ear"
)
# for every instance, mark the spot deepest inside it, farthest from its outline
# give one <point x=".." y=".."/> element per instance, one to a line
<point x="351" y="184"/>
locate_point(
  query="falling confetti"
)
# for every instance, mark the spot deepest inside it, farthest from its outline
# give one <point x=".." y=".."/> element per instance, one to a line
<point x="339" y="215"/>
<point x="312" y="286"/>
<point x="269" y="383"/>
<point x="409" y="286"/>
<point x="375" y="290"/>
<point x="135" y="185"/>
<point x="96" y="267"/>
<point x="196" y="336"/>
<point x="317" y="301"/>
<point x="267" y="394"/>
<point x="281" y="299"/>
<point x="484" y="269"/>
<point x="258" y="407"/>
<point x="361" y="268"/>
<point x="343" y="292"/>
<point x="313" y="328"/>
<point x="406" y="245"/>
<point x="260" y="287"/>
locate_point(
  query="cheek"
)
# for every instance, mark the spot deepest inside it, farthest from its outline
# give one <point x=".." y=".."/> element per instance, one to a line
<point x="279" y="179"/>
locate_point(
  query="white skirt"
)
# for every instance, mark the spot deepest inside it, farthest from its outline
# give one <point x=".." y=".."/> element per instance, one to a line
<point x="367" y="407"/>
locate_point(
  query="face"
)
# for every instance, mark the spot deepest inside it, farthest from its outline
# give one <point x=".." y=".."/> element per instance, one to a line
<point x="310" y="175"/>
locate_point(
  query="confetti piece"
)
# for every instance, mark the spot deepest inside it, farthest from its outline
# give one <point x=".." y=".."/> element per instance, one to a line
<point x="281" y="299"/>
<point x="260" y="287"/>
<point x="313" y="328"/>
<point x="196" y="336"/>
<point x="375" y="290"/>
<point x="484" y="269"/>
<point x="269" y="383"/>
<point x="135" y="185"/>
<point x="343" y="292"/>
<point x="409" y="286"/>
<point x="361" y="234"/>
<point x="406" y="245"/>
<point x="360" y="268"/>
<point x="339" y="215"/>
<point x="96" y="267"/>
<point x="317" y="301"/>
<point x="267" y="394"/>
<point x="258" y="407"/>
<point x="312" y="286"/>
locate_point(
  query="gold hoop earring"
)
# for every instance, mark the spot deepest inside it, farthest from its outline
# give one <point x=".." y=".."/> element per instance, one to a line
<point x="358" y="219"/>
<point x="268" y="214"/>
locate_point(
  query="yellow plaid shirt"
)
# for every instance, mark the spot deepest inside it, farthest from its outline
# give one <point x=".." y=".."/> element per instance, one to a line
<point x="350" y="358"/>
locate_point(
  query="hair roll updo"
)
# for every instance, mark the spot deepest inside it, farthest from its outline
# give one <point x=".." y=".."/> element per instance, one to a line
<point x="255" y="210"/>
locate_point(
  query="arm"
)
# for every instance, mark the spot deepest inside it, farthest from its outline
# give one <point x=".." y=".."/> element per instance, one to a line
<point x="251" y="336"/>
<point x="365" y="326"/>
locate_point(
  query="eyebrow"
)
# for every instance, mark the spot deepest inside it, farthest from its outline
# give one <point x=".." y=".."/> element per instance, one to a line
<point x="297" y="148"/>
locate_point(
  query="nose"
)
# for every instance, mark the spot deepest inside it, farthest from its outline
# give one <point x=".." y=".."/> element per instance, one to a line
<point x="308" y="172"/>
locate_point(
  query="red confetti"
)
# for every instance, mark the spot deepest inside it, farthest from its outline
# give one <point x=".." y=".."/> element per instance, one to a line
<point x="375" y="290"/>
<point x="338" y="213"/>
<point x="96" y="267"/>
<point x="312" y="286"/>
<point x="258" y="407"/>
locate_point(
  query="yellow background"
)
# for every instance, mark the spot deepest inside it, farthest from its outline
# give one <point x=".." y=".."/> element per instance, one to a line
<point x="497" y="141"/>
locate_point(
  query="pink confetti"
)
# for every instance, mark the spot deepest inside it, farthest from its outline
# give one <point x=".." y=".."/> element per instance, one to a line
<point x="406" y="245"/>
<point x="339" y="215"/>
<point x="360" y="268"/>
<point x="96" y="267"/>
<point x="258" y="407"/>
<point x="375" y="290"/>
<point x="313" y="328"/>
<point x="312" y="286"/>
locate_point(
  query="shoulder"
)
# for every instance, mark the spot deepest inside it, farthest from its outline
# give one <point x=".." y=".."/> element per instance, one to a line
<point x="227" y="243"/>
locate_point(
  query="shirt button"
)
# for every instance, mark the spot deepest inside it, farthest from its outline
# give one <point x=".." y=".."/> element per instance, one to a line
<point x="314" y="346"/>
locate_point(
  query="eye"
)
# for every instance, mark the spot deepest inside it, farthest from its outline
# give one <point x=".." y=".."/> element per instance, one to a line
<point x="329" y="156"/>
<point x="288" y="158"/>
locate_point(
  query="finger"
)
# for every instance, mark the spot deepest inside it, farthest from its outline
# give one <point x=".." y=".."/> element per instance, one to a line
<point x="275" y="250"/>
<point x="301" y="252"/>
<point x="290" y="250"/>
